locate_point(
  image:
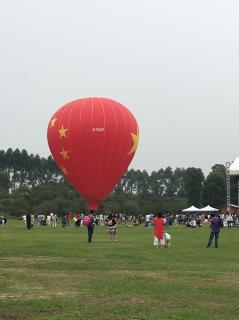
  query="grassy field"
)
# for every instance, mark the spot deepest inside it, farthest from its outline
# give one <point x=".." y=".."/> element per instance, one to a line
<point x="54" y="274"/>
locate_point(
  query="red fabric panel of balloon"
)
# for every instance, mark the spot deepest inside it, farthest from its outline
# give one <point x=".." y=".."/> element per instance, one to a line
<point x="93" y="141"/>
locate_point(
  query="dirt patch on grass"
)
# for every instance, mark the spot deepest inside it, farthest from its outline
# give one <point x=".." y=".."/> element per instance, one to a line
<point x="31" y="260"/>
<point x="153" y="275"/>
<point x="137" y="273"/>
<point x="93" y="299"/>
<point x="227" y="280"/>
<point x="220" y="280"/>
<point x="42" y="295"/>
<point x="15" y="312"/>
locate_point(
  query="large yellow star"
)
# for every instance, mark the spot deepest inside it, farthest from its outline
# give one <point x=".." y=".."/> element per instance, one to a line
<point x="53" y="121"/>
<point x="64" y="154"/>
<point x="62" y="132"/>
<point x="135" y="138"/>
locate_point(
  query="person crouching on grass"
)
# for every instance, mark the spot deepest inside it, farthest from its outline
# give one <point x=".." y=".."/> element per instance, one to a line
<point x="158" y="222"/>
<point x="167" y="238"/>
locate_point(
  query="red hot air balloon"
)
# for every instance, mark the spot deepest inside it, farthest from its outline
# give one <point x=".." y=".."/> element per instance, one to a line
<point x="93" y="141"/>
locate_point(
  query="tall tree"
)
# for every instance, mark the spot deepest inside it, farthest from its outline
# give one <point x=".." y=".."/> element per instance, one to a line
<point x="4" y="181"/>
<point x="214" y="188"/>
<point x="170" y="184"/>
<point x="193" y="185"/>
<point x="179" y="175"/>
<point x="142" y="183"/>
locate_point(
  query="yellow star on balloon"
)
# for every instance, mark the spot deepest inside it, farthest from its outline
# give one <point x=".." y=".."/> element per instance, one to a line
<point x="62" y="132"/>
<point x="53" y="121"/>
<point x="63" y="169"/>
<point x="64" y="154"/>
<point x="135" y="138"/>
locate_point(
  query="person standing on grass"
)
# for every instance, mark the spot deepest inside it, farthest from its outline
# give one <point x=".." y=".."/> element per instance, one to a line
<point x="159" y="230"/>
<point x="111" y="227"/>
<point x="229" y="220"/>
<point x="215" y="229"/>
<point x="29" y="221"/>
<point x="54" y="220"/>
<point x="77" y="219"/>
<point x="89" y="222"/>
<point x="68" y="218"/>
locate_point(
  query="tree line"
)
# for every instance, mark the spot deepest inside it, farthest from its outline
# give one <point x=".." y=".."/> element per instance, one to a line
<point x="32" y="183"/>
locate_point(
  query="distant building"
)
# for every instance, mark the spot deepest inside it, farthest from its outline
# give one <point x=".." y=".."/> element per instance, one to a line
<point x="223" y="209"/>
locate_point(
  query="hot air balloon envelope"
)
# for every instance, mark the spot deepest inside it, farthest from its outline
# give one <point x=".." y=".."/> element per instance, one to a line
<point x="93" y="141"/>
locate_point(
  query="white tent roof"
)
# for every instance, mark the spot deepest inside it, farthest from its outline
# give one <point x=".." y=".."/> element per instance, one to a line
<point x="234" y="168"/>
<point x="208" y="209"/>
<point x="191" y="209"/>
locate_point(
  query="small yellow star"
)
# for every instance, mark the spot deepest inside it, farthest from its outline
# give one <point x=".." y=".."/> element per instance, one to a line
<point x="135" y="138"/>
<point x="63" y="169"/>
<point x="53" y="121"/>
<point x="62" y="132"/>
<point x="64" y="154"/>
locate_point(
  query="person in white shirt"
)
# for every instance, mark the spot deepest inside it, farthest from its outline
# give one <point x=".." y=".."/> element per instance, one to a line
<point x="229" y="220"/>
<point x="54" y="220"/>
<point x="48" y="220"/>
<point x="147" y="220"/>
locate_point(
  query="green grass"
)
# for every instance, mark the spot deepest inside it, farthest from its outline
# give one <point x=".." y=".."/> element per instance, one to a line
<point x="54" y="274"/>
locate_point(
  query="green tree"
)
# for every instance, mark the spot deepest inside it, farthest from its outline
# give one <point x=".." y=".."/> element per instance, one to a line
<point x="4" y="181"/>
<point x="179" y="175"/>
<point x="170" y="183"/>
<point x="2" y="160"/>
<point x="157" y="183"/>
<point x="193" y="182"/>
<point x="142" y="183"/>
<point x="111" y="207"/>
<point x="214" y="188"/>
<point x="130" y="207"/>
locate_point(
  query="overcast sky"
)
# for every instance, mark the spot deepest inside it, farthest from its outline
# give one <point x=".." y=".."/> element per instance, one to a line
<point x="173" y="63"/>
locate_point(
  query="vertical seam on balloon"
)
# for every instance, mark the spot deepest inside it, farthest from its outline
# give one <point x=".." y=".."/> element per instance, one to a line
<point x="73" y="158"/>
<point x="60" y="123"/>
<point x="92" y="112"/>
<point x="110" y="102"/>
<point x="92" y="122"/>
<point x="116" y="174"/>
<point x="82" y="105"/>
<point x="102" y="154"/>
<point x="69" y="133"/>
<point x="132" y="121"/>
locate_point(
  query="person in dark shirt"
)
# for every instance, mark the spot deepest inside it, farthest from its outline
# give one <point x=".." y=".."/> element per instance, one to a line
<point x="215" y="229"/>
<point x="29" y="221"/>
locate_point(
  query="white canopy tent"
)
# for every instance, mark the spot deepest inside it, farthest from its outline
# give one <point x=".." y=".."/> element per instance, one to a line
<point x="208" y="209"/>
<point x="191" y="209"/>
<point x="234" y="168"/>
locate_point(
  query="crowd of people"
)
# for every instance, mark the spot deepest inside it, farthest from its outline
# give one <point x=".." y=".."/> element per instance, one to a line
<point x="193" y="220"/>
<point x="79" y="220"/>
<point x="160" y="223"/>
